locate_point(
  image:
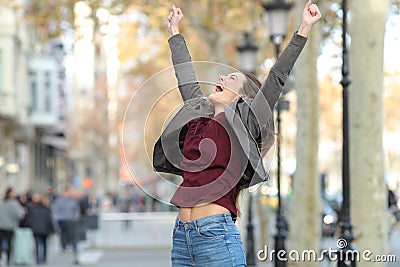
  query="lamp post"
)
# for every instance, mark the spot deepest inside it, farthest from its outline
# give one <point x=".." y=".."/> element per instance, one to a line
<point x="277" y="12"/>
<point x="345" y="221"/>
<point x="247" y="61"/>
<point x="247" y="54"/>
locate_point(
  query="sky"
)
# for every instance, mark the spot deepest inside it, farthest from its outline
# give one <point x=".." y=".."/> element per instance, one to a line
<point x="330" y="58"/>
<point x="392" y="44"/>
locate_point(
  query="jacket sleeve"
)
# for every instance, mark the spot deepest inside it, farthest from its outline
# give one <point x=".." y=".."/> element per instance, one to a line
<point x="184" y="71"/>
<point x="50" y="222"/>
<point x="270" y="91"/>
<point x="19" y="211"/>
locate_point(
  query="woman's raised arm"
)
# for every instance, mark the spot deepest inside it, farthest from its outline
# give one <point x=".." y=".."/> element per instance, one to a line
<point x="184" y="71"/>
<point x="271" y="89"/>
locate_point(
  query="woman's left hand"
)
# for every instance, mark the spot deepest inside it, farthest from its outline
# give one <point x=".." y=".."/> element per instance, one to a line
<point x="311" y="13"/>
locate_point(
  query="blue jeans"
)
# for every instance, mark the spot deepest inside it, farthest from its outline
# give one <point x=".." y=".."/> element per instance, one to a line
<point x="209" y="241"/>
<point x="5" y="243"/>
<point x="41" y="248"/>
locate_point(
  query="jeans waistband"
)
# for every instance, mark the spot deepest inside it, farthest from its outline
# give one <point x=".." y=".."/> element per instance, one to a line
<point x="222" y="218"/>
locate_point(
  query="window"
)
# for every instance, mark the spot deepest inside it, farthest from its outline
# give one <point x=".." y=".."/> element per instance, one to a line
<point x="47" y="91"/>
<point x="34" y="91"/>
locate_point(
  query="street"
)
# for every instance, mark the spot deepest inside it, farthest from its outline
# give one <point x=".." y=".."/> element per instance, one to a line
<point x="147" y="243"/>
<point x="110" y="257"/>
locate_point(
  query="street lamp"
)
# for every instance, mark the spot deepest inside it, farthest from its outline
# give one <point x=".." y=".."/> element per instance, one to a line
<point x="247" y="62"/>
<point x="345" y="221"/>
<point x="277" y="12"/>
<point x="247" y="54"/>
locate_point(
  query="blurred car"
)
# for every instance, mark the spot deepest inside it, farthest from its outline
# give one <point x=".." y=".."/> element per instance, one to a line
<point x="330" y="219"/>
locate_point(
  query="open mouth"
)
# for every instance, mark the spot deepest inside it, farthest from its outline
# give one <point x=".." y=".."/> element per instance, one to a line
<point x="219" y="87"/>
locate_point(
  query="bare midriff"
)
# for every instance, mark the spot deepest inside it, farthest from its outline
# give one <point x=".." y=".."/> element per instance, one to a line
<point x="188" y="214"/>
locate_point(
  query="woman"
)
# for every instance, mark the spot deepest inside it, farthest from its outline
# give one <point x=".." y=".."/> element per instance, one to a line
<point x="22" y="200"/>
<point x="41" y="222"/>
<point x="216" y="144"/>
<point x="11" y="213"/>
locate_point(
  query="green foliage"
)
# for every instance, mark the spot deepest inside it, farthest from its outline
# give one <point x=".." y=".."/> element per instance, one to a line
<point x="53" y="17"/>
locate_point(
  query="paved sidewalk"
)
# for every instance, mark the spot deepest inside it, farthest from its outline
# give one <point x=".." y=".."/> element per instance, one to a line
<point x="115" y="258"/>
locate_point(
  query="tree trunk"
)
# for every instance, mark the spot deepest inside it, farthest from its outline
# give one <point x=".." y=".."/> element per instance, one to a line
<point x="305" y="210"/>
<point x="368" y="194"/>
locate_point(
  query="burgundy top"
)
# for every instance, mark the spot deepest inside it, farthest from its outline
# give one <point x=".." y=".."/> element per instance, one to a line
<point x="213" y="164"/>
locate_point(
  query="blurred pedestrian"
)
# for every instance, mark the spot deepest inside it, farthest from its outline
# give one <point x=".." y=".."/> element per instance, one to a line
<point x="22" y="200"/>
<point x="125" y="205"/>
<point x="41" y="222"/>
<point x="66" y="212"/>
<point x="84" y="204"/>
<point x="11" y="213"/>
<point x="219" y="145"/>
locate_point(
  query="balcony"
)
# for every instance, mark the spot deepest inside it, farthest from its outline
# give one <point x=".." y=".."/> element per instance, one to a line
<point x="42" y="86"/>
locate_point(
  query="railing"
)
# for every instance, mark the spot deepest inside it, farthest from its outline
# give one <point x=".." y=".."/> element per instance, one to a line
<point x="133" y="230"/>
<point x="138" y="216"/>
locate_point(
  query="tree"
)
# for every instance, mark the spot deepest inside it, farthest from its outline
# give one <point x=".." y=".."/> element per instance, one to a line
<point x="305" y="209"/>
<point x="368" y="195"/>
<point x="53" y="18"/>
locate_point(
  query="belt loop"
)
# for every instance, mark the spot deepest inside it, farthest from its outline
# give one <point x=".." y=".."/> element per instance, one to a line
<point x="181" y="223"/>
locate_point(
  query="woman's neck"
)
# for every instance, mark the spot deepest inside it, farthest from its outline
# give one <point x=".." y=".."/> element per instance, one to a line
<point x="218" y="109"/>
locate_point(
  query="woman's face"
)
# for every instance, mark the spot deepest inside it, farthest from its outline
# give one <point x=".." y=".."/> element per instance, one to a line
<point x="11" y="194"/>
<point x="22" y="198"/>
<point x="227" y="88"/>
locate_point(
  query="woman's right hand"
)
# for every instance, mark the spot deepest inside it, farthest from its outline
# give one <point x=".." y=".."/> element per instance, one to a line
<point x="174" y="18"/>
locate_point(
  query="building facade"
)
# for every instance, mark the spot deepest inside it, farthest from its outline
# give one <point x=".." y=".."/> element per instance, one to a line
<point x="33" y="107"/>
<point x="14" y="132"/>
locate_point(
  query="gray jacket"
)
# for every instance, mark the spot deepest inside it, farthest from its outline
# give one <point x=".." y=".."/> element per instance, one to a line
<point x="11" y="212"/>
<point x="65" y="208"/>
<point x="248" y="117"/>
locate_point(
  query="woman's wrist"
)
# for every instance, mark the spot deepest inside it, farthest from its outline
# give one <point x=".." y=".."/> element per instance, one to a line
<point x="304" y="29"/>
<point x="174" y="31"/>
